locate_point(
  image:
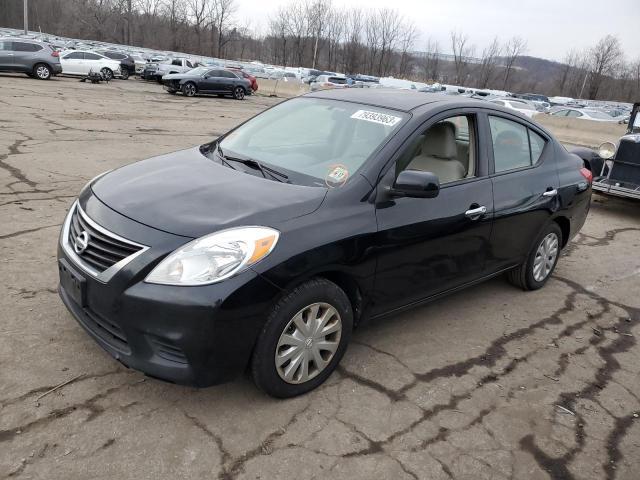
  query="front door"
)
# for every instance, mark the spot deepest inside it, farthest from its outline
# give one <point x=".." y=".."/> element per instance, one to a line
<point x="6" y="55"/>
<point x="426" y="246"/>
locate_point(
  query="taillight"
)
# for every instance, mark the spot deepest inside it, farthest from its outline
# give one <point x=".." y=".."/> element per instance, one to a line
<point x="586" y="173"/>
<point x="55" y="53"/>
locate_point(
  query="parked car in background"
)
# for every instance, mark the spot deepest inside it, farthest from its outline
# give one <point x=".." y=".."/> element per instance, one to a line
<point x="584" y="114"/>
<point x="156" y="70"/>
<point x="247" y="76"/>
<point x="37" y="59"/>
<point x="616" y="167"/>
<point x="263" y="249"/>
<point x="324" y="81"/>
<point x="256" y="71"/>
<point x="139" y="63"/>
<point x="127" y="63"/>
<point x="207" y="80"/>
<point x="519" y="106"/>
<point x="76" y="62"/>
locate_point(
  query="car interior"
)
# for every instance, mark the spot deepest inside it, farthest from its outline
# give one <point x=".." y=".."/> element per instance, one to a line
<point x="445" y="149"/>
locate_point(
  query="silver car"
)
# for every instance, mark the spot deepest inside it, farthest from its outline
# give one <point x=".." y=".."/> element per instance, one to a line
<point x="36" y="59"/>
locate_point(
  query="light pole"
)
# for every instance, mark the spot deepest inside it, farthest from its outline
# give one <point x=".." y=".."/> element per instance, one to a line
<point x="26" y="16"/>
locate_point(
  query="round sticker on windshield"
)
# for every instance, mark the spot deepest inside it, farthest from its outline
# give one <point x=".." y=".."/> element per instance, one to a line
<point x="337" y="176"/>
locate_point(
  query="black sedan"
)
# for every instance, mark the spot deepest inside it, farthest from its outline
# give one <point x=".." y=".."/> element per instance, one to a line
<point x="265" y="248"/>
<point x="127" y="64"/>
<point x="213" y="80"/>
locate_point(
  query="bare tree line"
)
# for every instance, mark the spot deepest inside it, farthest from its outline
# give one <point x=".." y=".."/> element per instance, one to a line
<point x="317" y="34"/>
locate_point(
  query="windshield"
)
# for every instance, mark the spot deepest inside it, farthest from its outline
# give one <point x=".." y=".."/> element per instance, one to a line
<point x="314" y="138"/>
<point x="199" y="71"/>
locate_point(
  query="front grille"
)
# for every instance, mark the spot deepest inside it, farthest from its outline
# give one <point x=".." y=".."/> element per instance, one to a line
<point x="626" y="167"/>
<point x="108" y="331"/>
<point x="103" y="250"/>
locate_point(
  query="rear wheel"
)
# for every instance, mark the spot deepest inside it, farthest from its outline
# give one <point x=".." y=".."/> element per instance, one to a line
<point x="534" y="272"/>
<point x="107" y="73"/>
<point x="189" y="89"/>
<point x="42" y="71"/>
<point x="303" y="340"/>
<point x="238" y="93"/>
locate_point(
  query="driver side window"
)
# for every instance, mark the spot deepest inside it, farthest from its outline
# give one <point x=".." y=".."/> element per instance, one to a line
<point x="446" y="149"/>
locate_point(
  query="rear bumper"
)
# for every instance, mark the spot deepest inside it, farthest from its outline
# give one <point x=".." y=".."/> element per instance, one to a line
<point x="619" y="189"/>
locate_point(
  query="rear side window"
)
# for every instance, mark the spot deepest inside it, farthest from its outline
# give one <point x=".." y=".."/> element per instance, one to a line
<point x="514" y="145"/>
<point x="26" y="47"/>
<point x="5" y="45"/>
<point x="91" y="56"/>
<point x="227" y="74"/>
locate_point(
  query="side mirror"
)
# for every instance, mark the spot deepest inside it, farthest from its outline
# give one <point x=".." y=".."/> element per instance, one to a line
<point x="416" y="184"/>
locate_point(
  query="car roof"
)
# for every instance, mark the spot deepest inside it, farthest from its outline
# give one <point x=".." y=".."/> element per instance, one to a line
<point x="403" y="100"/>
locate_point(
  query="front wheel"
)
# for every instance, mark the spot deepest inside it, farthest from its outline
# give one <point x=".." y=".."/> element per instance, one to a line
<point x="107" y="73"/>
<point x="534" y="272"/>
<point x="189" y="89"/>
<point x="42" y="72"/>
<point x="124" y="74"/>
<point x="238" y="93"/>
<point x="303" y="340"/>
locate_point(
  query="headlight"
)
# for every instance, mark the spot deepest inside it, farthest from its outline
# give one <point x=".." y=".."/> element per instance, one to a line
<point x="607" y="150"/>
<point x="214" y="257"/>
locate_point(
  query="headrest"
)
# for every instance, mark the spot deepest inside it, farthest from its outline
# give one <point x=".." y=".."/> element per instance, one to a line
<point x="440" y="141"/>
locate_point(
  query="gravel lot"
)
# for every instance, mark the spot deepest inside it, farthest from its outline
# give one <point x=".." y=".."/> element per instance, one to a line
<point x="469" y="387"/>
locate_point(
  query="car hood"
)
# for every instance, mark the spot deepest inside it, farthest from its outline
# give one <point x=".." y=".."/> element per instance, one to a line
<point x="186" y="193"/>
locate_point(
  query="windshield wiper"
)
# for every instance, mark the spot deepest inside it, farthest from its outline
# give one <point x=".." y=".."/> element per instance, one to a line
<point x="250" y="162"/>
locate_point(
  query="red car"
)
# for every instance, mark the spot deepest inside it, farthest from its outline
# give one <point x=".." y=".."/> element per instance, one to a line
<point x="251" y="78"/>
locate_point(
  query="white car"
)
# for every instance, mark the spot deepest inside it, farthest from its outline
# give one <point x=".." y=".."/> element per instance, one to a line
<point x="325" y="81"/>
<point x="76" y="62"/>
<point x="520" y="106"/>
<point x="595" y="115"/>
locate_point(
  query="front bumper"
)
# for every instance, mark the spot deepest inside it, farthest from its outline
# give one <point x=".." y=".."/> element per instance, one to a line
<point x="57" y="68"/>
<point x="196" y="336"/>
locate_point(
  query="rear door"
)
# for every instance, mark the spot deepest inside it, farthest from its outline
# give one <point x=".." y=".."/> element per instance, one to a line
<point x="228" y="81"/>
<point x="525" y="182"/>
<point x="24" y="56"/>
<point x="6" y="55"/>
<point x="92" y="62"/>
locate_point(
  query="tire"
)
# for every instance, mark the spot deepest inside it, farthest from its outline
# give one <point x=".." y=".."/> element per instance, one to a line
<point x="536" y="270"/>
<point x="313" y="299"/>
<point x="124" y="74"/>
<point x="107" y="73"/>
<point x="189" y="89"/>
<point x="41" y="71"/>
<point x="238" y="93"/>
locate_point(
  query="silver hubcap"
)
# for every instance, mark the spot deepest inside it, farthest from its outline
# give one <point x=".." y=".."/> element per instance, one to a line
<point x="42" y="72"/>
<point x="545" y="257"/>
<point x="308" y="343"/>
<point x="239" y="93"/>
<point x="190" y="90"/>
<point x="106" y="73"/>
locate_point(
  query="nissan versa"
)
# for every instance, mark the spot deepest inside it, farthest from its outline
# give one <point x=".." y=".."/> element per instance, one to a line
<point x="263" y="249"/>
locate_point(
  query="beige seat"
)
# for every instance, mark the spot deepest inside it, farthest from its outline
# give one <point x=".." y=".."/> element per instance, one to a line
<point x="439" y="154"/>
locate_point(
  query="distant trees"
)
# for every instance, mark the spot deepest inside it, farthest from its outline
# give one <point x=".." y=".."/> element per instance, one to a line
<point x="319" y="34"/>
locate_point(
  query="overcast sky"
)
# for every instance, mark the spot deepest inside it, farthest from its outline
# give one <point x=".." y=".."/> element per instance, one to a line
<point x="551" y="27"/>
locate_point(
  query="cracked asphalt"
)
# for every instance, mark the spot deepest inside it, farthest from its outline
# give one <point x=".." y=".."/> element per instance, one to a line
<point x="489" y="383"/>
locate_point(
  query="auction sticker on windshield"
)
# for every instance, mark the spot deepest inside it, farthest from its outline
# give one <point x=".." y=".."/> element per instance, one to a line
<point x="376" y="117"/>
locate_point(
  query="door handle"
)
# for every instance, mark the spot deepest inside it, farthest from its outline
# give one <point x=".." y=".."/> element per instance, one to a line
<point x="550" y="193"/>
<point x="475" y="213"/>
